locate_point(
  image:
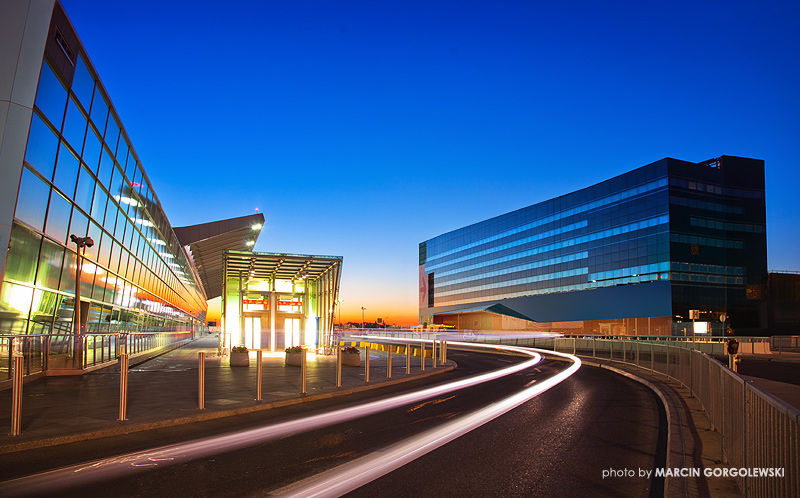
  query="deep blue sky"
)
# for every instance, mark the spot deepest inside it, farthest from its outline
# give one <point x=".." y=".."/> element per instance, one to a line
<point x="363" y="128"/>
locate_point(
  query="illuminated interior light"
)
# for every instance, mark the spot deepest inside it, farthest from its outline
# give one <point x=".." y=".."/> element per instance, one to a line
<point x="143" y="222"/>
<point x="93" y="269"/>
<point x="166" y="255"/>
<point x="110" y="280"/>
<point x="250" y="243"/>
<point x="126" y="200"/>
<point x="20" y="298"/>
<point x="257" y="226"/>
<point x="158" y="242"/>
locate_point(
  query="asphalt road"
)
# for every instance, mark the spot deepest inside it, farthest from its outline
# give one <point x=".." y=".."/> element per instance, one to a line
<point x="557" y="444"/>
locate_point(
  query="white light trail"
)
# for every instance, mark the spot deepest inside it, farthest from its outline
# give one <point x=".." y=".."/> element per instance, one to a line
<point x="352" y="475"/>
<point x="183" y="452"/>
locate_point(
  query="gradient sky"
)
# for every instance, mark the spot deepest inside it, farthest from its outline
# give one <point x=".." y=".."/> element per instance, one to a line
<point x="361" y="129"/>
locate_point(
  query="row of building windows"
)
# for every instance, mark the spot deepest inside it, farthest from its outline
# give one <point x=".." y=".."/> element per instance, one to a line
<point x="708" y="206"/>
<point x="678" y="266"/>
<point x="566" y="285"/>
<point x="723" y="225"/>
<point x="593" y="237"/>
<point x="631" y="271"/>
<point x="707" y="279"/>
<point x="605" y="201"/>
<point x="706" y="241"/>
<point x="716" y="189"/>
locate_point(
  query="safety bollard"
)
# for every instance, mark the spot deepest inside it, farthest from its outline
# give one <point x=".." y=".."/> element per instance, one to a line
<point x="123" y="387"/>
<point x="366" y="366"/>
<point x="422" y="355"/>
<point x="408" y="359"/>
<point x="389" y="364"/>
<point x="433" y="354"/>
<point x="303" y="371"/>
<point x="259" y="373"/>
<point x="16" y="393"/>
<point x="201" y="381"/>
<point x="338" y="366"/>
<point x="444" y="352"/>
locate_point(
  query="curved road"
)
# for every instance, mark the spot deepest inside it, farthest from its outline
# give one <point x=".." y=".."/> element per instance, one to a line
<point x="557" y="444"/>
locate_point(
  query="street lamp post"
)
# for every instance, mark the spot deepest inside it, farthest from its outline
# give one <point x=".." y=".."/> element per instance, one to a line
<point x="82" y="243"/>
<point x="362" y="317"/>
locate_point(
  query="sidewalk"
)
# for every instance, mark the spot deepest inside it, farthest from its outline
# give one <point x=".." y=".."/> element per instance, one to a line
<point x="163" y="392"/>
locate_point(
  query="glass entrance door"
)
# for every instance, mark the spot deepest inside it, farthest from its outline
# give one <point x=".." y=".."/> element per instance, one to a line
<point x="291" y="328"/>
<point x="252" y="332"/>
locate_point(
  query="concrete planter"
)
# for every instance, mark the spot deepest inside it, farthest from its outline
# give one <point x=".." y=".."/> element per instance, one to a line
<point x="293" y="359"/>
<point x="240" y="359"/>
<point x="351" y="359"/>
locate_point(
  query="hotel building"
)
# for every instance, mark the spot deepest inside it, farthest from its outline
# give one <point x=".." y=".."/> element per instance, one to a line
<point x="644" y="253"/>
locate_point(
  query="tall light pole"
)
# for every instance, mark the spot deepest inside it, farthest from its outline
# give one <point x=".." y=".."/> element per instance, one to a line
<point x="362" y="316"/>
<point x="82" y="243"/>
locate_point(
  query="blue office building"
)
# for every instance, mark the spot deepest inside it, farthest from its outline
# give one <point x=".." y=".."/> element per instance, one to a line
<point x="644" y="253"/>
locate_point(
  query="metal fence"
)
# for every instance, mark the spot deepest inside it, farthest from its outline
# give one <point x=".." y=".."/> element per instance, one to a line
<point x="43" y="352"/>
<point x="759" y="431"/>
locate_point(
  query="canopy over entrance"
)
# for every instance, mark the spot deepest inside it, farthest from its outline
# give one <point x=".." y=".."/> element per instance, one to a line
<point x="277" y="300"/>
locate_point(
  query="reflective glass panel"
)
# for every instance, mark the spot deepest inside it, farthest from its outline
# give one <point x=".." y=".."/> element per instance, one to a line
<point x="23" y="253"/>
<point x="66" y="172"/>
<point x="51" y="96"/>
<point x="105" y="169"/>
<point x="99" y="114"/>
<point x="68" y="274"/>
<point x="74" y="126"/>
<point x="50" y="261"/>
<point x="32" y="199"/>
<point x="83" y="83"/>
<point x="99" y="204"/>
<point x="79" y="224"/>
<point x="58" y="217"/>
<point x="92" y="150"/>
<point x="94" y="232"/>
<point x="112" y="133"/>
<point x="42" y="147"/>
<point x="85" y="190"/>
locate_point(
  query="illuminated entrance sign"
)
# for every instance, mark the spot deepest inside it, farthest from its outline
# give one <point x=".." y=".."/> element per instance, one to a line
<point x="265" y="302"/>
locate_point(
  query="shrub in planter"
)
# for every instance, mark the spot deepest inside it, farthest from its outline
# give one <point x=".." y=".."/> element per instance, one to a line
<point x="239" y="357"/>
<point x="351" y="357"/>
<point x="293" y="356"/>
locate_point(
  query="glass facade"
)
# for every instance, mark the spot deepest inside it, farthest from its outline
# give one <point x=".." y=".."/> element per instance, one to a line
<point x="81" y="176"/>
<point x="700" y="227"/>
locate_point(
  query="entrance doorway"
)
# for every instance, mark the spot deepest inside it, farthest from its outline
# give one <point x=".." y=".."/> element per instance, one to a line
<point x="291" y="328"/>
<point x="252" y="332"/>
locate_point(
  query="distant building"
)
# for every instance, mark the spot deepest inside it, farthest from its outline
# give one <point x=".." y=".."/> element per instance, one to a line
<point x="631" y="255"/>
<point x="783" y="303"/>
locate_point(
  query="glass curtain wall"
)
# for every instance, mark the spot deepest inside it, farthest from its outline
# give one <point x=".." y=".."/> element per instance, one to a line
<point x="613" y="233"/>
<point x="81" y="176"/>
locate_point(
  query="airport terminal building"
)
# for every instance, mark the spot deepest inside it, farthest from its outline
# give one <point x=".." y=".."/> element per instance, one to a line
<point x="632" y="255"/>
<point x="77" y="203"/>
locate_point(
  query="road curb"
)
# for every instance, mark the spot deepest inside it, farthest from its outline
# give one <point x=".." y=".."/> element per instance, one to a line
<point x="205" y="416"/>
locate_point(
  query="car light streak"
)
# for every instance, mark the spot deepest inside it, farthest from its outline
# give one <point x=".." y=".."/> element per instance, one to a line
<point x="57" y="480"/>
<point x="352" y="475"/>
